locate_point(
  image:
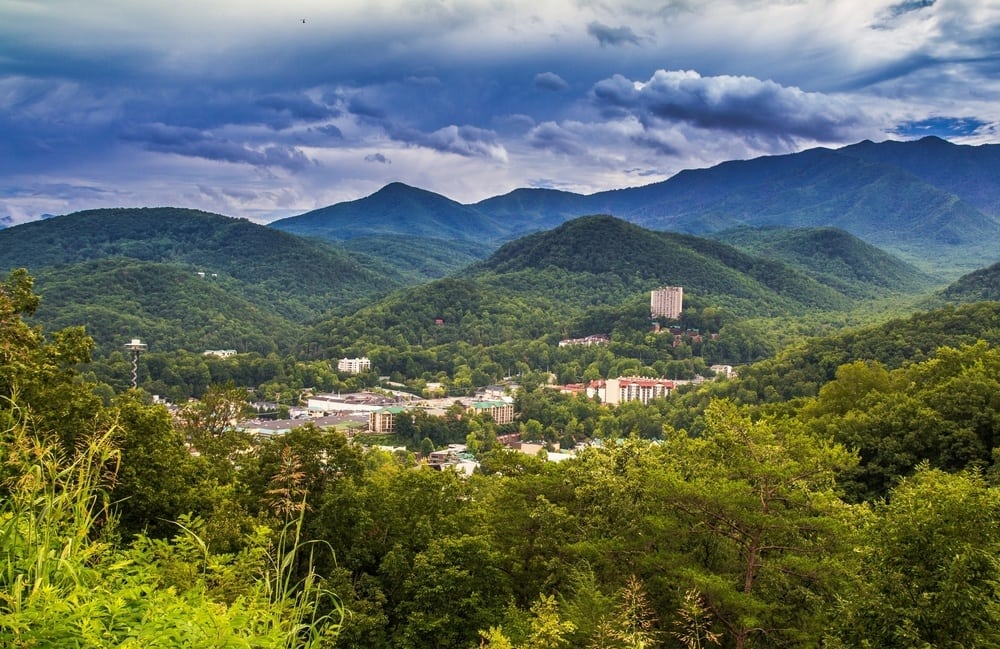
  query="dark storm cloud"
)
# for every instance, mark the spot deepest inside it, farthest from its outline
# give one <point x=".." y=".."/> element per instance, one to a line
<point x="379" y="158"/>
<point x="363" y="107"/>
<point x="191" y="142"/>
<point x="468" y="141"/>
<point x="615" y="36"/>
<point x="552" y="137"/>
<point x="294" y="109"/>
<point x="550" y="81"/>
<point x="331" y="130"/>
<point x="738" y="104"/>
<point x="207" y="108"/>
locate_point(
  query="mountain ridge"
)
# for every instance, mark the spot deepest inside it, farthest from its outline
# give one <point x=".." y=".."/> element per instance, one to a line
<point x="883" y="193"/>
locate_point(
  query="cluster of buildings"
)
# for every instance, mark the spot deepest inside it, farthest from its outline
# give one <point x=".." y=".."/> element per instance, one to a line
<point x="382" y="409"/>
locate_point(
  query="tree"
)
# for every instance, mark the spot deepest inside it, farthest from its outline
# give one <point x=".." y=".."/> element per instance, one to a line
<point x="210" y="426"/>
<point x="929" y="567"/>
<point x="154" y="483"/>
<point x="764" y="525"/>
<point x="41" y="375"/>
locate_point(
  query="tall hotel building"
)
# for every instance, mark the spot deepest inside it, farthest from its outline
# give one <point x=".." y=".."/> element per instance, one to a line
<point x="666" y="302"/>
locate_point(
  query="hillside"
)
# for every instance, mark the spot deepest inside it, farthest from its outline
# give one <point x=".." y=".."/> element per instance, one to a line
<point x="165" y="305"/>
<point x="980" y="285"/>
<point x="291" y="276"/>
<point x="803" y="369"/>
<point x="528" y="210"/>
<point x="414" y="260"/>
<point x="396" y="209"/>
<point x="593" y="271"/>
<point x="639" y="260"/>
<point x="833" y="257"/>
<point x="884" y="205"/>
<point x="969" y="172"/>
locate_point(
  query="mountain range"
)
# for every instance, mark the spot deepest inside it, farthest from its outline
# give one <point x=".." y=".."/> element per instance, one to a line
<point x="522" y="264"/>
<point x="195" y="280"/>
<point x="932" y="203"/>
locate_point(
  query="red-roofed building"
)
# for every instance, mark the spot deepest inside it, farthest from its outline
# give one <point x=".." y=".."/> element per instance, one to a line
<point x="630" y="388"/>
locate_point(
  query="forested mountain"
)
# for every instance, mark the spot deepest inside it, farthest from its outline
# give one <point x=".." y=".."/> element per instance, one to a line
<point x="528" y="210"/>
<point x="831" y="256"/>
<point x="185" y="279"/>
<point x="983" y="284"/>
<point x="395" y="209"/>
<point x="589" y="275"/>
<point x="969" y="172"/>
<point x="415" y="260"/>
<point x="931" y="202"/>
<point x="166" y="305"/>
<point x="299" y="276"/>
<point x="628" y="254"/>
<point x="804" y="368"/>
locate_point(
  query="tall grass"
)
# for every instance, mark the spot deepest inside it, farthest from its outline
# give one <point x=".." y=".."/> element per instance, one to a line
<point x="65" y="582"/>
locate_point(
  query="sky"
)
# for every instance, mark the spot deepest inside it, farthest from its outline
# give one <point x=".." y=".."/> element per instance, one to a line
<point x="269" y="109"/>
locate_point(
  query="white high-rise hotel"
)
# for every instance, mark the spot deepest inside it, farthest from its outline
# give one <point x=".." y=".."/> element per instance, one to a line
<point x="666" y="302"/>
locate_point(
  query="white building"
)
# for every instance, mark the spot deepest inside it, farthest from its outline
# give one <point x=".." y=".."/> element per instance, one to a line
<point x="666" y="302"/>
<point x="220" y="353"/>
<point x="630" y="388"/>
<point x="354" y="365"/>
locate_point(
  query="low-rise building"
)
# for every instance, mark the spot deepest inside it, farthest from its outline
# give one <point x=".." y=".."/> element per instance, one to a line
<point x="354" y="402"/>
<point x="383" y="420"/>
<point x="219" y="353"/>
<point x="723" y="371"/>
<point x="354" y="365"/>
<point x="587" y="341"/>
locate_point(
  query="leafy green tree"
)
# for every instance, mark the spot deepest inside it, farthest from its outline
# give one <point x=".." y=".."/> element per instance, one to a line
<point x="210" y="425"/>
<point x="155" y="483"/>
<point x="929" y="568"/>
<point x="764" y="525"/>
<point x="41" y="375"/>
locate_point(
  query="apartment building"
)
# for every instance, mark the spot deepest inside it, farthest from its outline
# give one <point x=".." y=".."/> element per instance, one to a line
<point x="666" y="302"/>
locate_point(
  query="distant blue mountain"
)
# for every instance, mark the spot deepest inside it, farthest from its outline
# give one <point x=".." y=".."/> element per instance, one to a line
<point x="933" y="203"/>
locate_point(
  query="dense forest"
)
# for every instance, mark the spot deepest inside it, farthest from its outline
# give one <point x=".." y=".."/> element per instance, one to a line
<point x="842" y="493"/>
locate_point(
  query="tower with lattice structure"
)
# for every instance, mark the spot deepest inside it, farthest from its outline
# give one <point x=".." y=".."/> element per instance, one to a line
<point x="136" y="347"/>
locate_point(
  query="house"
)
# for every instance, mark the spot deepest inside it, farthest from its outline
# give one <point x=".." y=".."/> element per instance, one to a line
<point x="725" y="371"/>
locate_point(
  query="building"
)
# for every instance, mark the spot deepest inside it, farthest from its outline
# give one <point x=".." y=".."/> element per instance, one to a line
<point x="354" y="365"/>
<point x="326" y="404"/>
<point x="383" y="420"/>
<point x="501" y="411"/>
<point x="666" y="302"/>
<point x="630" y="388"/>
<point x="725" y="371"/>
<point x="587" y="341"/>
<point x="219" y="353"/>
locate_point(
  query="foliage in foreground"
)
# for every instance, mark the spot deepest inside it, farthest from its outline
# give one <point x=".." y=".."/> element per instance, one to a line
<point x="66" y="582"/>
<point x="735" y="534"/>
